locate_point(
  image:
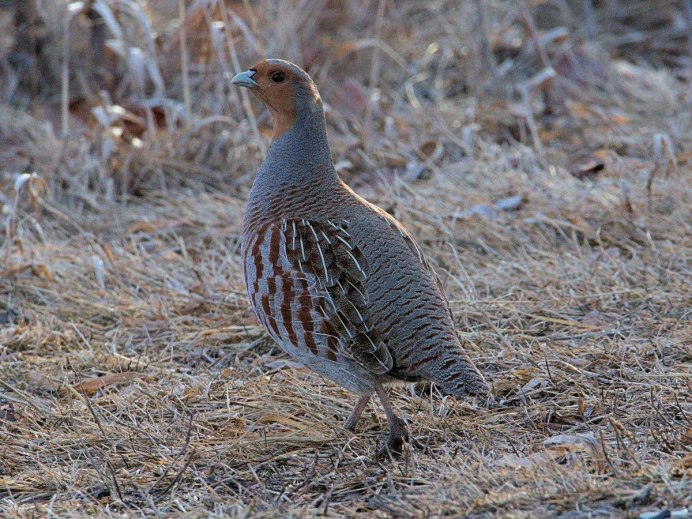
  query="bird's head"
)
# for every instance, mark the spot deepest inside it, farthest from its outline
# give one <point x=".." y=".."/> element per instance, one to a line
<point x="284" y="88"/>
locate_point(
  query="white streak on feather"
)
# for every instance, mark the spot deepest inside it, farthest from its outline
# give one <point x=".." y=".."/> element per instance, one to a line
<point x="350" y="247"/>
<point x="319" y="249"/>
<point x="360" y="269"/>
<point x="338" y="228"/>
<point x="365" y="299"/>
<point x="350" y="335"/>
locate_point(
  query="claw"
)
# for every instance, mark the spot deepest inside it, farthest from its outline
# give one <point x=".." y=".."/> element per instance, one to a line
<point x="395" y="440"/>
<point x="350" y="424"/>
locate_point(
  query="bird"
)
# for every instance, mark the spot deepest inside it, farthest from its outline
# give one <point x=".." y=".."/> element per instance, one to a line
<point x="337" y="282"/>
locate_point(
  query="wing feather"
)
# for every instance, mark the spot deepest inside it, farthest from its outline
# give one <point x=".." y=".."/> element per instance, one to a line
<point x="326" y="255"/>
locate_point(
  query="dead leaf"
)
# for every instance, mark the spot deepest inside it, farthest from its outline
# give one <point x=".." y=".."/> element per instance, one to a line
<point x="581" y="225"/>
<point x="91" y="386"/>
<point x="41" y="271"/>
<point x="683" y="158"/>
<point x="284" y="420"/>
<point x="536" y="382"/>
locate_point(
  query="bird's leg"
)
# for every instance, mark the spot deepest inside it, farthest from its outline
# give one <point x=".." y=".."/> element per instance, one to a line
<point x="352" y="421"/>
<point x="397" y="427"/>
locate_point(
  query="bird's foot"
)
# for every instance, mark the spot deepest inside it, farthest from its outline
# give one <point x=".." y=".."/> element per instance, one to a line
<point x="350" y="424"/>
<point x="395" y="440"/>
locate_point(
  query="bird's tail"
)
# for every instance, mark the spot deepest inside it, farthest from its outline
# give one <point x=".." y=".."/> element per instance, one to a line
<point x="456" y="375"/>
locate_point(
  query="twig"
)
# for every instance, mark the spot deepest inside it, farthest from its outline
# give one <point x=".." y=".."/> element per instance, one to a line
<point x="374" y="74"/>
<point x="184" y="59"/>
<point x="531" y="25"/>
<point x="481" y="32"/>
<point x="590" y="18"/>
<point x="65" y="74"/>
<point x="530" y="120"/>
<point x="605" y="452"/>
<point x="236" y="66"/>
<point x="662" y="147"/>
<point x="188" y="435"/>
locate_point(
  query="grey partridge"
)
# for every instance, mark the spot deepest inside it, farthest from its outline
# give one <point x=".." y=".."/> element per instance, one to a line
<point x="337" y="282"/>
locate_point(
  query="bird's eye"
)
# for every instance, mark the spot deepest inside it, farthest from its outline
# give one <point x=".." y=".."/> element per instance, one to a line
<point x="278" y="77"/>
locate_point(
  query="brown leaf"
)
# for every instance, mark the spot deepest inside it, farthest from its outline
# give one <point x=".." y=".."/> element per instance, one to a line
<point x="619" y="119"/>
<point x="41" y="271"/>
<point x="38" y="270"/>
<point x="91" y="386"/>
<point x="284" y="420"/>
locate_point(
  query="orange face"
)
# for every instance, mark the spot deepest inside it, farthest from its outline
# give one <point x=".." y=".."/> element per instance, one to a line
<point x="277" y="84"/>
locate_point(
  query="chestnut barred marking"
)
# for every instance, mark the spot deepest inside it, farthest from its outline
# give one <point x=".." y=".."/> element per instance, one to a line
<point x="306" y="282"/>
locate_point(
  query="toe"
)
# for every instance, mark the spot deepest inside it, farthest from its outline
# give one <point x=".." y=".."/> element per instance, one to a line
<point x="350" y="425"/>
<point x="395" y="440"/>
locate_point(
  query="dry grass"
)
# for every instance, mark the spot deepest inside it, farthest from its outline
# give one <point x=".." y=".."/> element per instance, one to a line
<point x="133" y="377"/>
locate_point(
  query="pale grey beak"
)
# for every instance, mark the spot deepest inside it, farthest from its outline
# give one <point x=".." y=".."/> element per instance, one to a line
<point x="244" y="79"/>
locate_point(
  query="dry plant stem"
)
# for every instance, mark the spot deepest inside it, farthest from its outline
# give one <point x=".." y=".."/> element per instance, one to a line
<point x="590" y="17"/>
<point x="251" y="15"/>
<point x="531" y="25"/>
<point x="374" y="73"/>
<point x="488" y="58"/>
<point x="688" y="17"/>
<point x="530" y="120"/>
<point x="184" y="59"/>
<point x="32" y="21"/>
<point x="236" y="66"/>
<point x="65" y="75"/>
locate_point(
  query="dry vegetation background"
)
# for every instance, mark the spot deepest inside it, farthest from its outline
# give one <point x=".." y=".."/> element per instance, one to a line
<point x="540" y="151"/>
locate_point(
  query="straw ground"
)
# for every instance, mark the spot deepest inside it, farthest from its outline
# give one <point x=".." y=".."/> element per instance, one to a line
<point x="539" y="153"/>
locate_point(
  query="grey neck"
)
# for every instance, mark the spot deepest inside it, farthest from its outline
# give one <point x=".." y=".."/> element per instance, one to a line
<point x="301" y="155"/>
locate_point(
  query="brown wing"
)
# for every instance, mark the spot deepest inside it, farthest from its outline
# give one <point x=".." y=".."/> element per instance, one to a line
<point x="323" y="254"/>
